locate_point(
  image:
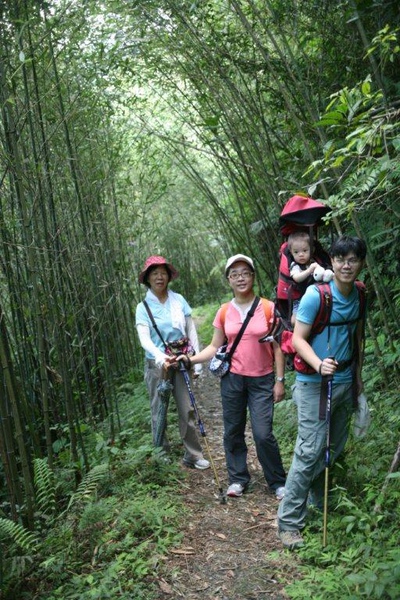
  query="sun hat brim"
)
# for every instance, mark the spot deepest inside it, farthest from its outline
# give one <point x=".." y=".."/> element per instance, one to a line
<point x="153" y="261"/>
<point x="237" y="258"/>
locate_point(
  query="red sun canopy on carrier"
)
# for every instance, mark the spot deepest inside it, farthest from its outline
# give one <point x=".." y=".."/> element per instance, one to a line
<point x="301" y="211"/>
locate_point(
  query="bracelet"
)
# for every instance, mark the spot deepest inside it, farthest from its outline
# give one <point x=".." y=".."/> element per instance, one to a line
<point x="320" y="368"/>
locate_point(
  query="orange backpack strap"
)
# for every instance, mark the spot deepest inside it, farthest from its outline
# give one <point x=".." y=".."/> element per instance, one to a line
<point x="224" y="308"/>
<point x="268" y="306"/>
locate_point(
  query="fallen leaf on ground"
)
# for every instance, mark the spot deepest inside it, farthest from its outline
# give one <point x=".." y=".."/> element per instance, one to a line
<point x="165" y="587"/>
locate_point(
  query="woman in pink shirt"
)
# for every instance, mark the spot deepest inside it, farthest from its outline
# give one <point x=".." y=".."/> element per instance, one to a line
<point x="250" y="383"/>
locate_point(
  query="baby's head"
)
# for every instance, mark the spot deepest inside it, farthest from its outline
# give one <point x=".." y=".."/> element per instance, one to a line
<point x="300" y="246"/>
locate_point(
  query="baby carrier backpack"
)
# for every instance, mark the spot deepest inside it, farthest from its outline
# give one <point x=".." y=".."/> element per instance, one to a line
<point x="300" y="213"/>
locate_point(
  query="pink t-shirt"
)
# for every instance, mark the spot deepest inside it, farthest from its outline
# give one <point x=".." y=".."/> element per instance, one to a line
<point x="250" y="358"/>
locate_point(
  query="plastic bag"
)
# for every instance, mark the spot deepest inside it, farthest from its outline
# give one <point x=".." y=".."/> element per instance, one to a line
<point x="362" y="417"/>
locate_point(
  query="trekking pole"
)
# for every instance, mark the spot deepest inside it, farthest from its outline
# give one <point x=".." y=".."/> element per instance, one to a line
<point x="186" y="377"/>
<point x="327" y="455"/>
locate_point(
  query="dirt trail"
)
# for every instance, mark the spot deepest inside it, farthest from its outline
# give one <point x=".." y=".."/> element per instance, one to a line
<point x="225" y="553"/>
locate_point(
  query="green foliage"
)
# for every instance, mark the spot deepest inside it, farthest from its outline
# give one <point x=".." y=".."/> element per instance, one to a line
<point x="117" y="525"/>
<point x="362" y="556"/>
<point x="204" y="317"/>
<point x="361" y="559"/>
<point x="167" y="149"/>
<point x="88" y="487"/>
<point x="386" y="43"/>
<point x="17" y="551"/>
<point x="17" y="535"/>
<point x="380" y="577"/>
<point x="45" y="486"/>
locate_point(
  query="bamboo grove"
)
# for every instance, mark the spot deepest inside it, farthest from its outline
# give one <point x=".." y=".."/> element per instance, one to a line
<point x="129" y="128"/>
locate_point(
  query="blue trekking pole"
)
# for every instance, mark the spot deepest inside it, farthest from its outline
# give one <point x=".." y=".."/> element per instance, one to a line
<point x="327" y="455"/>
<point x="186" y="377"/>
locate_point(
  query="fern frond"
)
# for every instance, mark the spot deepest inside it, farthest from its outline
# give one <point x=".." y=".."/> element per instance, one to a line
<point x="18" y="534"/>
<point x="45" y="487"/>
<point x="89" y="484"/>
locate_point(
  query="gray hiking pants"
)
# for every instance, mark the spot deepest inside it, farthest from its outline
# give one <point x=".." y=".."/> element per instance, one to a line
<point x="308" y="465"/>
<point x="187" y="424"/>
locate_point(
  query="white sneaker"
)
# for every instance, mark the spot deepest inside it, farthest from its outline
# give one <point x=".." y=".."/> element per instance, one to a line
<point x="235" y="490"/>
<point x="280" y="493"/>
<point x="200" y="463"/>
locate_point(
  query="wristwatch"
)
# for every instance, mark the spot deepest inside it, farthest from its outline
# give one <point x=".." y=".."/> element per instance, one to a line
<point x="282" y="379"/>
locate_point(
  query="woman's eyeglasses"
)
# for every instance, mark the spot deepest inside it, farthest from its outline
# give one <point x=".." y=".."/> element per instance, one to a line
<point x="234" y="275"/>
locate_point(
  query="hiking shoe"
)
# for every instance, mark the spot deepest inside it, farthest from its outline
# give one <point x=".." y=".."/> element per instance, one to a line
<point x="280" y="493"/>
<point x="291" y="539"/>
<point x="235" y="490"/>
<point x="200" y="463"/>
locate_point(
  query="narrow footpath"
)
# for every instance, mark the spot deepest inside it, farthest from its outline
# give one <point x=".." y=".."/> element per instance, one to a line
<point x="229" y="551"/>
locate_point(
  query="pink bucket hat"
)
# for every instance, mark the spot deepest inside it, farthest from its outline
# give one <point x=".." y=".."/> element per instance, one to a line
<point x="157" y="260"/>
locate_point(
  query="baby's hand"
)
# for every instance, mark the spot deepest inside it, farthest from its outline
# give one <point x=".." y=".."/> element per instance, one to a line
<point x="312" y="267"/>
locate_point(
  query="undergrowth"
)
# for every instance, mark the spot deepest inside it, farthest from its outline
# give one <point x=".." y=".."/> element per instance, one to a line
<point x="106" y="538"/>
<point x="362" y="556"/>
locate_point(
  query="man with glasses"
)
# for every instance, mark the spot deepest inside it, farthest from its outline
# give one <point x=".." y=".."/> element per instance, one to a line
<point x="250" y="383"/>
<point x="337" y="352"/>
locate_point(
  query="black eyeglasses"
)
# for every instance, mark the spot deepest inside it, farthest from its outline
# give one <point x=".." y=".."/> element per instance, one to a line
<point x="352" y="262"/>
<point x="236" y="274"/>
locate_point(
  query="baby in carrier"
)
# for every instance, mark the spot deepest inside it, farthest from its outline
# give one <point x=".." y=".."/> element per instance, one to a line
<point x="302" y="262"/>
<point x="303" y="269"/>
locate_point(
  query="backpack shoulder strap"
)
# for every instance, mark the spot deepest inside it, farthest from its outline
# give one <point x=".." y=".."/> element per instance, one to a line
<point x="323" y="316"/>
<point x="147" y="307"/>
<point x="268" y="307"/>
<point x="224" y="308"/>
<point x="325" y="308"/>
<point x="360" y="343"/>
<point x="286" y="259"/>
<point x="361" y="297"/>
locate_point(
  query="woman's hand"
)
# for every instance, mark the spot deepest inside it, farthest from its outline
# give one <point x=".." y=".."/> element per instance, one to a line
<point x="185" y="359"/>
<point x="169" y="362"/>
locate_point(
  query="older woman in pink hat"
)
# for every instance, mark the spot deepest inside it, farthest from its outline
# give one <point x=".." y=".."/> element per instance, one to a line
<point x="164" y="317"/>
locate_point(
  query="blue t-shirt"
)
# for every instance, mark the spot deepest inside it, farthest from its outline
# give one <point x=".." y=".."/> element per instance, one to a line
<point x="335" y="340"/>
<point x="163" y="318"/>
